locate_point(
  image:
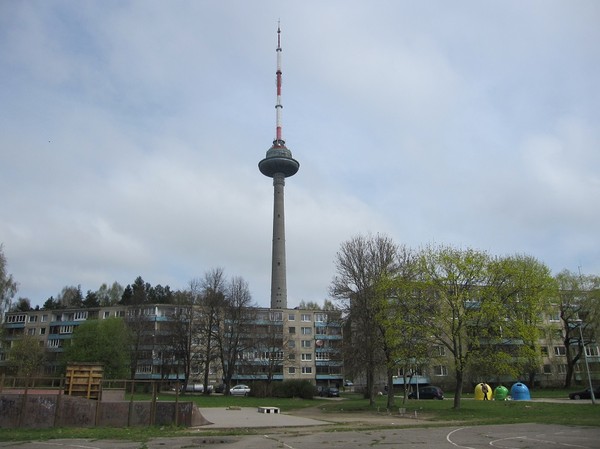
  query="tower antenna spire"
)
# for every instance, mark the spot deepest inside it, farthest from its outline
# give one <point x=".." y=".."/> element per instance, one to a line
<point x="278" y="164"/>
<point x="278" y="106"/>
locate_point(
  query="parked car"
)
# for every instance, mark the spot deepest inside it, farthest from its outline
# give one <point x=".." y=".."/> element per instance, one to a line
<point x="429" y="392"/>
<point x="220" y="388"/>
<point x="329" y="392"/>
<point x="240" y="390"/>
<point x="348" y="383"/>
<point x="585" y="394"/>
<point x="196" y="388"/>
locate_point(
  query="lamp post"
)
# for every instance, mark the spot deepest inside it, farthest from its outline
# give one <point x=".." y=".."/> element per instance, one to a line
<point x="587" y="366"/>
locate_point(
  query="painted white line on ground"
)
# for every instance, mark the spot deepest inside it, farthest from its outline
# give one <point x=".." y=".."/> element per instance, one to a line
<point x="493" y="443"/>
<point x="453" y="443"/>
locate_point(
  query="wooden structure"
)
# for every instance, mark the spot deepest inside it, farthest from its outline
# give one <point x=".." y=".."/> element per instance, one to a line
<point x="84" y="380"/>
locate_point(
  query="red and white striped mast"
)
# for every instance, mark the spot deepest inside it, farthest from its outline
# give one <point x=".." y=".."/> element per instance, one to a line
<point x="278" y="106"/>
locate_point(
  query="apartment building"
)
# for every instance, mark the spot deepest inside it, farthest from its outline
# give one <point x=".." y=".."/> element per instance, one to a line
<point x="276" y="344"/>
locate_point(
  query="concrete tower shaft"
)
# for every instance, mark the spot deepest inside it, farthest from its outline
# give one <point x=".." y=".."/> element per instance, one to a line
<point x="278" y="164"/>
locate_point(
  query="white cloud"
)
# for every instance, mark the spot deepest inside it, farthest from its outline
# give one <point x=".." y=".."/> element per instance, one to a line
<point x="132" y="132"/>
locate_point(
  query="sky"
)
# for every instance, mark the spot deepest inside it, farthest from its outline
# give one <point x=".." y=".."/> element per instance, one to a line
<point x="131" y="131"/>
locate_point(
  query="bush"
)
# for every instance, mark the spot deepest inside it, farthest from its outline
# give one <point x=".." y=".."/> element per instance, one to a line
<point x="294" y="389"/>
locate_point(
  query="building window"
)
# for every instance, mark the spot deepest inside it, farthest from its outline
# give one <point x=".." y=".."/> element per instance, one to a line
<point x="305" y="317"/>
<point x="291" y="317"/>
<point x="560" y="351"/>
<point x="440" y="370"/>
<point x="320" y="317"/>
<point x="66" y="330"/>
<point x="144" y="369"/>
<point x="307" y="370"/>
<point x="554" y="317"/>
<point x="307" y="331"/>
<point x="544" y="351"/>
<point x="16" y="319"/>
<point x="307" y="343"/>
<point x="44" y="318"/>
<point x="42" y="331"/>
<point x="292" y="330"/>
<point x="322" y="356"/>
<point x="291" y="370"/>
<point x="106" y="314"/>
<point x="547" y="369"/>
<point x="591" y="351"/>
<point x="32" y="318"/>
<point x="562" y="369"/>
<point x="292" y="356"/>
<point x="55" y="343"/>
<point x="291" y="344"/>
<point x="80" y="316"/>
<point x="306" y="357"/>
<point x="31" y="331"/>
<point x="276" y="355"/>
<point x="440" y="351"/>
<point x="276" y="316"/>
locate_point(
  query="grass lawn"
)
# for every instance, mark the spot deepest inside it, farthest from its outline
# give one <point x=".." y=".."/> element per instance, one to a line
<point x="471" y="412"/>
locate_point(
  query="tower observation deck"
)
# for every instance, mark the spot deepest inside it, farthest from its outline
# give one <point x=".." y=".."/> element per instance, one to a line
<point x="278" y="164"/>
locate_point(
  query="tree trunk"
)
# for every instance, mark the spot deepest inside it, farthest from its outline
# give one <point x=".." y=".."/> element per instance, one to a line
<point x="458" y="389"/>
<point x="390" y="388"/>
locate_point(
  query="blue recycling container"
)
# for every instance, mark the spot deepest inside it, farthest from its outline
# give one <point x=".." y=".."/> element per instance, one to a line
<point x="520" y="392"/>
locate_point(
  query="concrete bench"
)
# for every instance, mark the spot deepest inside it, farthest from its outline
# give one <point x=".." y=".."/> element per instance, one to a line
<point x="268" y="409"/>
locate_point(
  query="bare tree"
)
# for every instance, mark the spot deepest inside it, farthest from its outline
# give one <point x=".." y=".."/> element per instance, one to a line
<point x="402" y="312"/>
<point x="361" y="263"/>
<point x="267" y="348"/>
<point x="110" y="296"/>
<point x="179" y="331"/>
<point x="579" y="305"/>
<point x="210" y="303"/>
<point x="234" y="320"/>
<point x="70" y="296"/>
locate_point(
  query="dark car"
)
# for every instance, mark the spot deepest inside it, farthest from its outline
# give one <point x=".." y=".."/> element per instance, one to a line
<point x="330" y="392"/>
<point x="429" y="392"/>
<point x="585" y="394"/>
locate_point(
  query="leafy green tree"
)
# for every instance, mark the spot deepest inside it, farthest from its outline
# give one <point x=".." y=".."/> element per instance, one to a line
<point x="51" y="304"/>
<point x="454" y="278"/>
<point x="137" y="293"/>
<point x="160" y="295"/>
<point x="22" y="305"/>
<point x="103" y="341"/>
<point x="26" y="357"/>
<point x="8" y="286"/>
<point x="91" y="299"/>
<point x="521" y="288"/>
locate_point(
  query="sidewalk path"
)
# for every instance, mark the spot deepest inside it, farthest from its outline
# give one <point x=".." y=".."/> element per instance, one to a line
<point x="250" y="417"/>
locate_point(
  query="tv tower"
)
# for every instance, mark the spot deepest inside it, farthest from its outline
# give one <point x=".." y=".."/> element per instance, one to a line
<point x="278" y="164"/>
